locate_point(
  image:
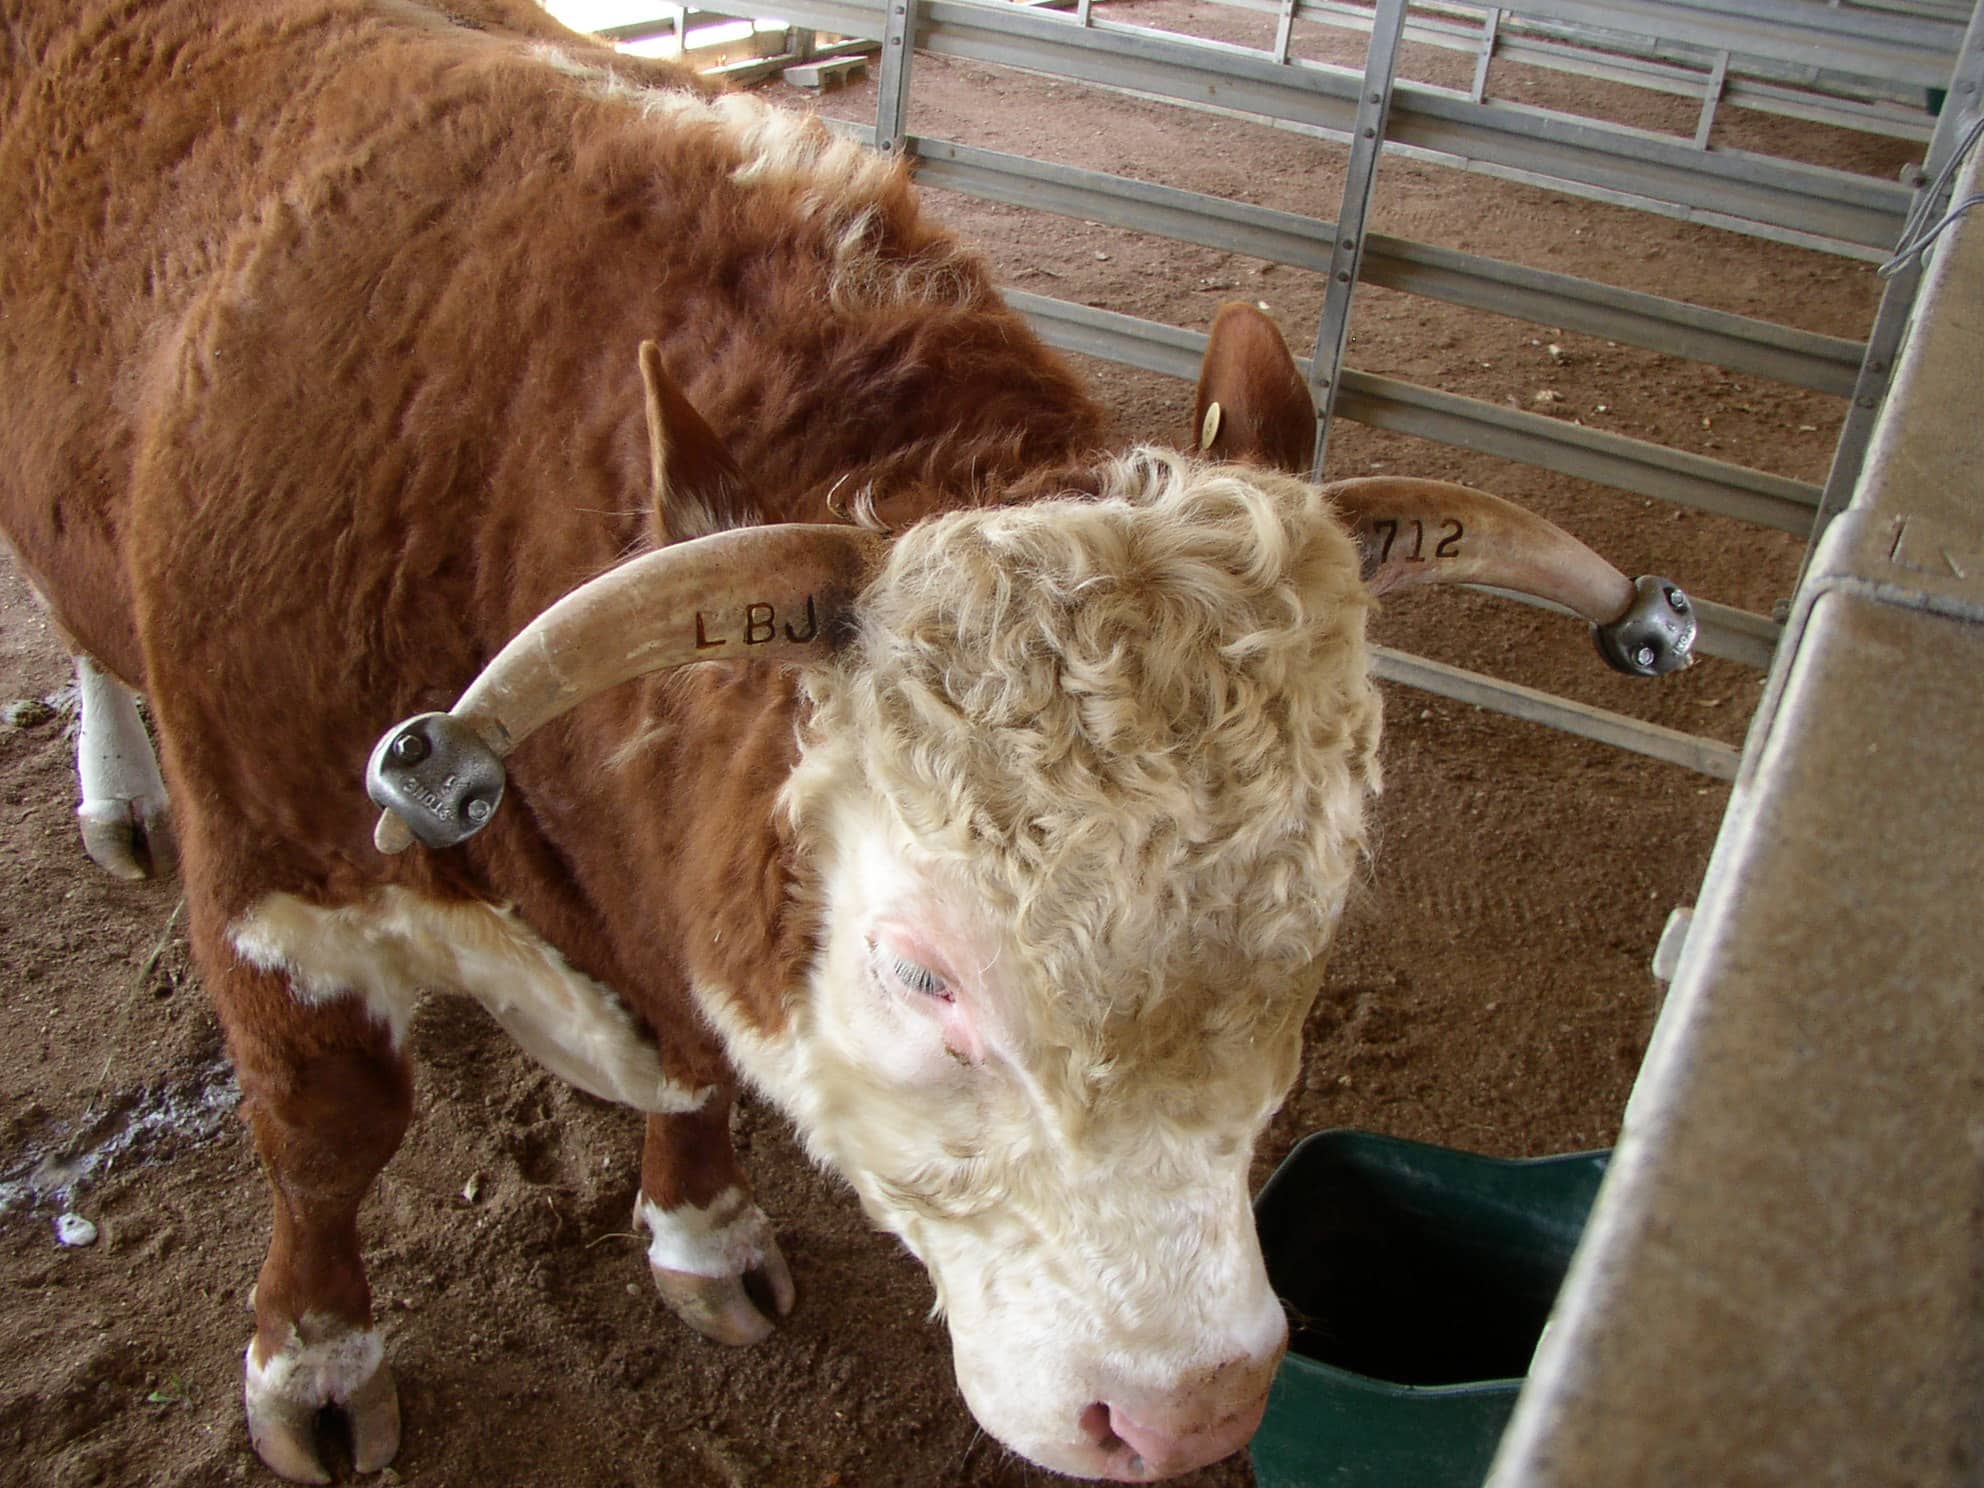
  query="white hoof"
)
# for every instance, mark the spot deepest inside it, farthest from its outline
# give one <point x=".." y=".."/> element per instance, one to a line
<point x="129" y="839"/>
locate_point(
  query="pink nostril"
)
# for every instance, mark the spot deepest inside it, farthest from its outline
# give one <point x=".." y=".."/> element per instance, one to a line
<point x="1160" y="1453"/>
<point x="1095" y="1426"/>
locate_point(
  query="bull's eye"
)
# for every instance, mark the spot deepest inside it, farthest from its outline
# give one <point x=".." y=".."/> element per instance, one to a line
<point x="914" y="977"/>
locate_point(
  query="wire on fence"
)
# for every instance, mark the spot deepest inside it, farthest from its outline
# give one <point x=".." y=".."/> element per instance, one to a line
<point x="1916" y="236"/>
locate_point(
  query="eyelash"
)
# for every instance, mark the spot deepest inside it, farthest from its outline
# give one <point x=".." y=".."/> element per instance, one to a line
<point x="914" y="978"/>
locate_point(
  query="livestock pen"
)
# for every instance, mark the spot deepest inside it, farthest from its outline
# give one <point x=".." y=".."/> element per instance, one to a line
<point x="1618" y="264"/>
<point x="1720" y="1284"/>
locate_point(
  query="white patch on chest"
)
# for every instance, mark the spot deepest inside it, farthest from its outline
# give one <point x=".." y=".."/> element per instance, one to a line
<point x="393" y="946"/>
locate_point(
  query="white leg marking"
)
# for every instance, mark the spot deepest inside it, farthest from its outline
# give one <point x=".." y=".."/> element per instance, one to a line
<point x="123" y="794"/>
<point x="728" y="1238"/>
<point x="323" y="1371"/>
<point x="700" y="1258"/>
<point x="394" y="944"/>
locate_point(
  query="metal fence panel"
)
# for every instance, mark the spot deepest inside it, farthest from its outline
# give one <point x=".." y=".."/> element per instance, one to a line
<point x="1909" y="42"/>
<point x="1825" y="363"/>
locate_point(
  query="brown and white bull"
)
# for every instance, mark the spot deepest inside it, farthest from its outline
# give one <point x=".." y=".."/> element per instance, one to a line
<point x="1003" y="854"/>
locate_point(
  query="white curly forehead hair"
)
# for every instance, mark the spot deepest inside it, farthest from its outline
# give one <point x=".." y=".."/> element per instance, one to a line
<point x="1138" y="727"/>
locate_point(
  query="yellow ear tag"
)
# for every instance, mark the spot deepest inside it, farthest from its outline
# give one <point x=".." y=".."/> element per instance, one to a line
<point x="1209" y="430"/>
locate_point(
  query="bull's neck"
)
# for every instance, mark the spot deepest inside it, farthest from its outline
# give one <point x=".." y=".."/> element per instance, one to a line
<point x="664" y="851"/>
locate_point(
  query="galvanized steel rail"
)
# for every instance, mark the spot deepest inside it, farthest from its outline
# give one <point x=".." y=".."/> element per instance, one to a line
<point x="1754" y="194"/>
<point x="1891" y="48"/>
<point x="1635" y="465"/>
<point x="1713" y="73"/>
<point x="1360" y="184"/>
<point x="1827" y="364"/>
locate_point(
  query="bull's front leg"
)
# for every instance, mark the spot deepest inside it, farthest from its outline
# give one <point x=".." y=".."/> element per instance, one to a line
<point x="713" y="1253"/>
<point x="327" y="1099"/>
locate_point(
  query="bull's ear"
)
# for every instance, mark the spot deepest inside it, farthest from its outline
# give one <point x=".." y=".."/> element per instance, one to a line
<point x="698" y="488"/>
<point x="1253" y="404"/>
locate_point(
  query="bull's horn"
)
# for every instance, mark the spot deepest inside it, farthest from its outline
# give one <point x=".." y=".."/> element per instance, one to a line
<point x="1435" y="532"/>
<point x="782" y="593"/>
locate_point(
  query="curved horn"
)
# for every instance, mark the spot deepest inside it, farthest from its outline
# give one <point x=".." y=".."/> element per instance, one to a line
<point x="1434" y="532"/>
<point x="781" y="593"/>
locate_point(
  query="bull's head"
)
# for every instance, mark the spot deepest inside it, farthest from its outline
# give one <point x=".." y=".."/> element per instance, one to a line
<point x="1087" y="799"/>
<point x="1080" y="796"/>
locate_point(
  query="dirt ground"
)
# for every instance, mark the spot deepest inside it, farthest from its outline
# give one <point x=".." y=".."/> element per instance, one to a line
<point x="1491" y="992"/>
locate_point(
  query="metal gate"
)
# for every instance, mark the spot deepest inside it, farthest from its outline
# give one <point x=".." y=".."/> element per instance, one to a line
<point x="1882" y="65"/>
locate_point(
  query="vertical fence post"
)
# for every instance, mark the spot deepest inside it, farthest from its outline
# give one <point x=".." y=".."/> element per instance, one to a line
<point x="1961" y="109"/>
<point x="1284" y="29"/>
<point x="1718" y="80"/>
<point x="1360" y="179"/>
<point x="1491" y="32"/>
<point x="892" y="107"/>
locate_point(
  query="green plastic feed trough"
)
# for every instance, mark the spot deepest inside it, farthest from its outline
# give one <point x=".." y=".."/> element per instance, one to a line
<point x="1417" y="1280"/>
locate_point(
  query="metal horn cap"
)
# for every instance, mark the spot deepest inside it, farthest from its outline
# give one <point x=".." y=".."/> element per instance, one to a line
<point x="438" y="776"/>
<point x="1655" y="635"/>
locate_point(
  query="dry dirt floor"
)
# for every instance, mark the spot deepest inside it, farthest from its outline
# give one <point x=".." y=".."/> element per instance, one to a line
<point x="1492" y="990"/>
